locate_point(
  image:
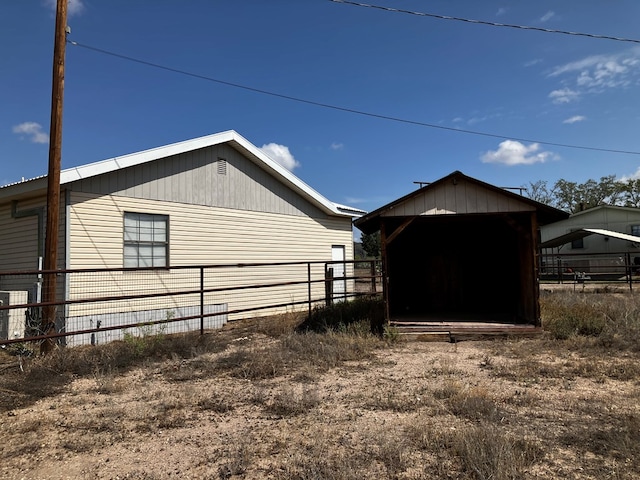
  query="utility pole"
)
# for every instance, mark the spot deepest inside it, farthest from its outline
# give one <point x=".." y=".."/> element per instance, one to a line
<point x="48" y="322"/>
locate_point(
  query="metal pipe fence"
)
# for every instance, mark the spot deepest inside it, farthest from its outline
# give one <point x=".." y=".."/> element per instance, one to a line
<point x="102" y="305"/>
<point x="618" y="268"/>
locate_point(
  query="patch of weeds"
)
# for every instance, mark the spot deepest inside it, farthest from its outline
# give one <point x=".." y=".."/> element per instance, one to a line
<point x="255" y="364"/>
<point x="445" y="367"/>
<point x="619" y="438"/>
<point x="217" y="404"/>
<point x="474" y="403"/>
<point x="279" y="325"/>
<point x="236" y="462"/>
<point x="289" y="402"/>
<point x="488" y="454"/>
<point x="395" y="399"/>
<point x="393" y="453"/>
<point x="108" y="383"/>
<point x="319" y="463"/>
<point x="391" y="334"/>
<point x="611" y="321"/>
<point x="423" y="435"/>
<point x="369" y="310"/>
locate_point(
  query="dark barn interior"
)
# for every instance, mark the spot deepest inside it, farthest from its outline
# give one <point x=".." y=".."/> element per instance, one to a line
<point x="458" y="268"/>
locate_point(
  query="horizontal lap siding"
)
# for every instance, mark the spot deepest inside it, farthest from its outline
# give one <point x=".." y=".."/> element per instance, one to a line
<point x="201" y="235"/>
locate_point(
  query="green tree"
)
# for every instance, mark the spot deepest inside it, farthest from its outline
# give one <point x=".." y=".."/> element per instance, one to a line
<point x="539" y="191"/>
<point x="371" y="244"/>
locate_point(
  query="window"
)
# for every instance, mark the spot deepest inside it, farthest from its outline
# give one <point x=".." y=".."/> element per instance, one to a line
<point x="146" y="240"/>
<point x="635" y="230"/>
<point x="579" y="243"/>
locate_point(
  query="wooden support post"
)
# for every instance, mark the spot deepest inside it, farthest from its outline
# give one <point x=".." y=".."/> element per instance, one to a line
<point x="328" y="286"/>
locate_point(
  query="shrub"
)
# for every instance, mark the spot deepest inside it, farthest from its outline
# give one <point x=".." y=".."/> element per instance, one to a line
<point x="341" y="315"/>
<point x="566" y="315"/>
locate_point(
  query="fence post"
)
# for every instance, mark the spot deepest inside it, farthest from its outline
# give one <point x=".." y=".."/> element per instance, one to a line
<point x="629" y="270"/>
<point x="201" y="300"/>
<point x="373" y="276"/>
<point x="309" y="286"/>
<point x="560" y="273"/>
<point x="328" y="286"/>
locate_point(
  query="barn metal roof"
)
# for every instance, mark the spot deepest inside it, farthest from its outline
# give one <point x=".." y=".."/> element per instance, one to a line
<point x="584" y="232"/>
<point x="231" y="137"/>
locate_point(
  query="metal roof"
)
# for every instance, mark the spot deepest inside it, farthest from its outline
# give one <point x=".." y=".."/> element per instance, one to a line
<point x="231" y="137"/>
<point x="584" y="232"/>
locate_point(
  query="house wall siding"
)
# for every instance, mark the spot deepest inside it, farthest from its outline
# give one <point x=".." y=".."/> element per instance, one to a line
<point x="193" y="178"/>
<point x="200" y="235"/>
<point x="19" y="236"/>
<point x="19" y="249"/>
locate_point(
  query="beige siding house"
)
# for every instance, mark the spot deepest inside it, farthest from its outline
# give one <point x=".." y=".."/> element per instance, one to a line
<point x="212" y="200"/>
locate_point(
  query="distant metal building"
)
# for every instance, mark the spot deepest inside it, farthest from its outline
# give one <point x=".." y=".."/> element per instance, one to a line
<point x="461" y="250"/>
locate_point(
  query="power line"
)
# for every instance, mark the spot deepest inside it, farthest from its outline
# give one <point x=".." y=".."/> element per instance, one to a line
<point x="484" y="22"/>
<point x="344" y="109"/>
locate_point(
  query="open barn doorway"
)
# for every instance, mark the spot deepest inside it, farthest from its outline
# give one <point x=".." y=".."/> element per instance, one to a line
<point x="457" y="269"/>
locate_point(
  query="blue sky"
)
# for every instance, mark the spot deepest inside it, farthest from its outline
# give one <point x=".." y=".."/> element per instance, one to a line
<point x="513" y="83"/>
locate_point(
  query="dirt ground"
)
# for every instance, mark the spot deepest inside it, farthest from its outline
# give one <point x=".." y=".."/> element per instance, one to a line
<point x="274" y="407"/>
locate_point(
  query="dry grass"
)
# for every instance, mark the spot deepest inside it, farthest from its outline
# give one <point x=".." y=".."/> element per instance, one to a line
<point x="258" y="400"/>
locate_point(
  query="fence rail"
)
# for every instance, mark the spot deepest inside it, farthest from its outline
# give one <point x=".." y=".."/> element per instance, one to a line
<point x="616" y="268"/>
<point x="101" y="305"/>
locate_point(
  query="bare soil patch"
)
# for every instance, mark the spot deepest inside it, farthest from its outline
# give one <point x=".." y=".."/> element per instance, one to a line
<point x="267" y="403"/>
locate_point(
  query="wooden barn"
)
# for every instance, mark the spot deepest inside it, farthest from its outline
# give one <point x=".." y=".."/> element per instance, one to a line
<point x="461" y="250"/>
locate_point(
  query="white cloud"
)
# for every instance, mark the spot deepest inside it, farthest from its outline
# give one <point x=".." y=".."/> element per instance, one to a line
<point x="547" y="16"/>
<point x="575" y="119"/>
<point x="633" y="176"/>
<point x="501" y="11"/>
<point x="74" y="7"/>
<point x="597" y="73"/>
<point x="280" y="154"/>
<point x="533" y="62"/>
<point x="564" y="95"/>
<point x="511" y="152"/>
<point x="337" y="146"/>
<point x="33" y="131"/>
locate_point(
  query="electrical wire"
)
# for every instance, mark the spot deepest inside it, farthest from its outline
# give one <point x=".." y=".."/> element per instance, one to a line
<point x="344" y="109"/>
<point x="484" y="22"/>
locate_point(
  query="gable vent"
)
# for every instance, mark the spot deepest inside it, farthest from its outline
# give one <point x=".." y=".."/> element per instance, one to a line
<point x="222" y="166"/>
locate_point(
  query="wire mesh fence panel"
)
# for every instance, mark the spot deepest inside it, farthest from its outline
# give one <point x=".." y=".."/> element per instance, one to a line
<point x="101" y="305"/>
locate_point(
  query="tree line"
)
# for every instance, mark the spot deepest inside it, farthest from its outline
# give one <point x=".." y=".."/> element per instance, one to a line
<point x="574" y="197"/>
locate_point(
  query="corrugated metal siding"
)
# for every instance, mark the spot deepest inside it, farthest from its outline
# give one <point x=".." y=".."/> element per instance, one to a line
<point x="461" y="198"/>
<point x="202" y="235"/>
<point x="193" y="178"/>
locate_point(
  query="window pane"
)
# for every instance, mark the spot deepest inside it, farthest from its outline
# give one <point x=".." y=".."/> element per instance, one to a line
<point x="145" y="262"/>
<point x="159" y="256"/>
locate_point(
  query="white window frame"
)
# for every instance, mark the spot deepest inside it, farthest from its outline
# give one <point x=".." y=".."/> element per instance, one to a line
<point x="145" y="240"/>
